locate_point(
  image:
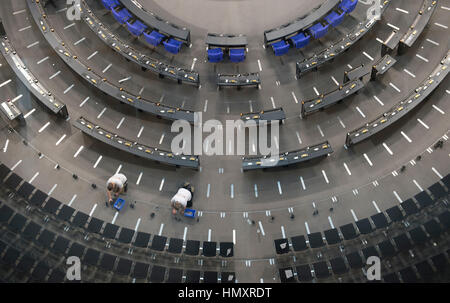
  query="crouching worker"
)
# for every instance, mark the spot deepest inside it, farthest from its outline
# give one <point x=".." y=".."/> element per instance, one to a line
<point x="182" y="199"/>
<point x="115" y="186"/>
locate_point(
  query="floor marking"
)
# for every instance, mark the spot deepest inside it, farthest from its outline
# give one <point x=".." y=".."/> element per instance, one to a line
<point x="368" y="56"/>
<point x="446" y="8"/>
<point x="259" y="64"/>
<point x="298" y="137"/>
<point x="139" y="178"/>
<point x="44" y="127"/>
<point x="379" y="40"/>
<point x="69" y="26"/>
<point x="331" y="222"/>
<point x="78" y="151"/>
<point x="234" y="236"/>
<point x="42" y="60"/>
<point x="140" y="131"/>
<point x="161" y="229"/>
<point x="68" y="89"/>
<point x="279" y="187"/>
<point x="406" y="137"/>
<point x="115" y="217"/>
<point x="283" y="232"/>
<point x="84" y="101"/>
<point x="320" y="130"/>
<point x="441" y="25"/>
<point x="393" y="26"/>
<point x="205" y="107"/>
<point x="5" y="148"/>
<point x="376" y="206"/>
<point x="423" y="58"/>
<point x="162" y="138"/>
<point x="261" y="228"/>
<point x="423" y="123"/>
<point x="316" y="91"/>
<point x="118" y="169"/>
<point x="193" y="63"/>
<point x="19" y="12"/>
<point x="397" y="196"/>
<point x="33" y="44"/>
<point x="335" y="81"/>
<point x="438" y="109"/>
<point x="307" y="228"/>
<point x="378" y="100"/>
<point x="137" y="224"/>
<point x="273" y="102"/>
<point x="98" y="161"/>
<point x="52" y="189"/>
<point x="92" y="210"/>
<point x="256" y="190"/>
<point x="325" y="176"/>
<point x="388" y="149"/>
<point x="348" y="170"/>
<point x="120" y="123"/>
<point x="354" y="215"/>
<point x="73" y="199"/>
<point x="124" y="79"/>
<point x="295" y="97"/>
<point x="185" y="233"/>
<point x="101" y="113"/>
<point x="303" y="183"/>
<point x="209" y="235"/>
<point x="60" y="139"/>
<point x="437" y="173"/>
<point x="92" y="55"/>
<point x="106" y="68"/>
<point x="340" y="121"/>
<point x="17" y="164"/>
<point x="162" y="184"/>
<point x="6" y="82"/>
<point x="395" y="87"/>
<point x="409" y="73"/>
<point x="433" y="42"/>
<point x="418" y="186"/>
<point x="402" y="10"/>
<point x="16" y="98"/>
<point x="368" y="160"/>
<point x="34" y="177"/>
<point x="360" y="112"/>
<point x="79" y="41"/>
<point x="232" y="191"/>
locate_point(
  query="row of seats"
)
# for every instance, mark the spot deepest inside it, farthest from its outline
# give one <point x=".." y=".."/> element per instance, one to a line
<point x="317" y="30"/>
<point x="138" y="28"/>
<point x="377" y="221"/>
<point x="216" y="55"/>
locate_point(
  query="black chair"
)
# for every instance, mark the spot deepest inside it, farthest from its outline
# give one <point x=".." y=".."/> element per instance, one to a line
<point x="304" y="273"/>
<point x="440" y="262"/>
<point x="40" y="271"/>
<point x="387" y="249"/>
<point x="408" y="275"/>
<point x="61" y="245"/>
<point x="76" y="250"/>
<point x="348" y="231"/>
<point x="91" y="257"/>
<point x="158" y="274"/>
<point x="446" y="181"/>
<point x="52" y="206"/>
<point x="299" y="243"/>
<point x="402" y="242"/>
<point x="140" y="270"/>
<point x="17" y="223"/>
<point x="107" y="262"/>
<point x="38" y="198"/>
<point x="209" y="249"/>
<point x="444" y="218"/>
<point x="65" y="213"/>
<point x="228" y="277"/>
<point x="433" y="228"/>
<point x="321" y="270"/>
<point x="210" y="277"/>
<point x="4" y="171"/>
<point x="175" y="246"/>
<point x="11" y="256"/>
<point x="364" y="226"/>
<point x="315" y="240"/>
<point x="423" y="199"/>
<point x="192" y="276"/>
<point x="226" y="249"/>
<point x="13" y="181"/>
<point x="395" y="214"/>
<point x="409" y="207"/>
<point x="286" y="274"/>
<point x="380" y="221"/>
<point x="25" y="190"/>
<point x="124" y="267"/>
<point x="391" y="278"/>
<point x="354" y="260"/>
<point x="425" y="270"/>
<point x="5" y="213"/>
<point x="31" y="231"/>
<point x="110" y="231"/>
<point x="158" y="243"/>
<point x="142" y="240"/>
<point x="26" y="263"/>
<point x="332" y="236"/>
<point x="175" y="275"/>
<point x="192" y="247"/>
<point x="46" y="238"/>
<point x="80" y="219"/>
<point x="418" y="235"/>
<point x="338" y="266"/>
<point x="56" y="276"/>
<point x="282" y="246"/>
<point x="126" y="235"/>
<point x="369" y="252"/>
<point x="95" y="225"/>
<point x="437" y="191"/>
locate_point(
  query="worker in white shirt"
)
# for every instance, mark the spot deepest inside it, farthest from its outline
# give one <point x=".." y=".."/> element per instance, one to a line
<point x="182" y="199"/>
<point x="115" y="186"/>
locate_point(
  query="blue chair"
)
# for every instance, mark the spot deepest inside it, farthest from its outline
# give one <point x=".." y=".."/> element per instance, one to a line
<point x="280" y="48"/>
<point x="237" y="54"/>
<point x="215" y="55"/>
<point x="154" y="38"/>
<point x="110" y="4"/>
<point x="136" y="28"/>
<point x="348" y="5"/>
<point x="334" y="19"/>
<point x="318" y="30"/>
<point x="172" y="46"/>
<point x="122" y="16"/>
<point x="300" y="40"/>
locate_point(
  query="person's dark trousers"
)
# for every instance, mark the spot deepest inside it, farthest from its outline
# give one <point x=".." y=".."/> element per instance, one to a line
<point x="189" y="188"/>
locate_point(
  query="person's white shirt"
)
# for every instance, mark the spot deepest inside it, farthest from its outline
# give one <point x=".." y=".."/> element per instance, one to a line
<point x="118" y="179"/>
<point x="183" y="196"/>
